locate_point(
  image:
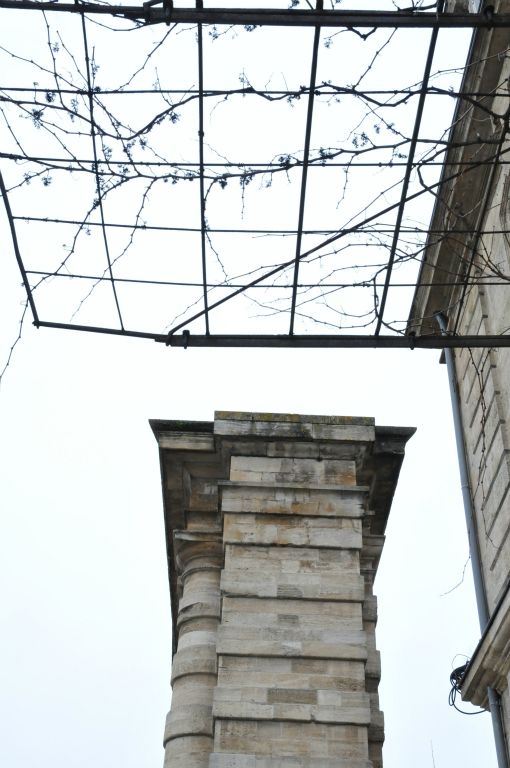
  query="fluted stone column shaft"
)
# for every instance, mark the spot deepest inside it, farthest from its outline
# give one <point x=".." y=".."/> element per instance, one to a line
<point x="189" y="727"/>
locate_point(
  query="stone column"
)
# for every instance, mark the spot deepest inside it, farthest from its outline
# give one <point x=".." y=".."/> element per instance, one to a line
<point x="276" y="664"/>
<point x="189" y="726"/>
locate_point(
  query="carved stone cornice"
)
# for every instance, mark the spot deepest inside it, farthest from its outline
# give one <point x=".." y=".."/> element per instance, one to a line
<point x="490" y="664"/>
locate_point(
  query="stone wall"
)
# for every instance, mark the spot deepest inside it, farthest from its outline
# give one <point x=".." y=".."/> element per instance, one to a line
<point x="275" y="527"/>
<point x="483" y="377"/>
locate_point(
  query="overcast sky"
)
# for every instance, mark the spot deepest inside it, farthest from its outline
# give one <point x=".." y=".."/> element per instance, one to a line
<point x="85" y="642"/>
<point x="85" y="645"/>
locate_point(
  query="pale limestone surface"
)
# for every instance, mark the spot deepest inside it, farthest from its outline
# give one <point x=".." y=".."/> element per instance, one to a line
<point x="275" y="527"/>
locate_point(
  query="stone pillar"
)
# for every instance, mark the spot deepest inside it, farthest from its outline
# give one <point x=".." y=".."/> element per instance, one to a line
<point x="189" y="725"/>
<point x="370" y="555"/>
<point x="291" y="648"/>
<point x="276" y="664"/>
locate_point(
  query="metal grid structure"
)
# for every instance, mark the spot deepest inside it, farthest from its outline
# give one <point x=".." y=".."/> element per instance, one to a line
<point x="208" y="176"/>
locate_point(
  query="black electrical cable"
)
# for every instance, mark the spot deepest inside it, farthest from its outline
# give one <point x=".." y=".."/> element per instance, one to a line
<point x="456" y="681"/>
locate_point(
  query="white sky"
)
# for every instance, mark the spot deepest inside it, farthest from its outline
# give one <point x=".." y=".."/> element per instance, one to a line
<point x="85" y="636"/>
<point x="252" y="129"/>
<point x="85" y="641"/>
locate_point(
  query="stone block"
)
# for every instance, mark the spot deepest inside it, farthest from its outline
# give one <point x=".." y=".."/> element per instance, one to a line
<point x="232" y="760"/>
<point x="287" y="585"/>
<point x="334" y="562"/>
<point x="196" y="659"/>
<point x="188" y="752"/>
<point x="291" y="696"/>
<point x="248" y="469"/>
<point x="289" y="500"/>
<point x="292" y="426"/>
<point x="291" y="704"/>
<point x="496" y="486"/>
<point x="200" y="638"/>
<point x="498" y="567"/>
<point x="280" y="741"/>
<point x="370" y="608"/>
<point x="375" y="754"/>
<point x="186" y="441"/>
<point x="283" y="530"/>
<point x="338" y="675"/>
<point x="202" y="494"/>
<point x="482" y="393"/>
<point x="376" y="729"/>
<point x="306" y="449"/>
<point x="487" y="436"/>
<point x="195" y="718"/>
<point x="283" y="641"/>
<point x="199" y="603"/>
<point x="279" y="612"/>
<point x="373" y="666"/>
<point x="292" y="572"/>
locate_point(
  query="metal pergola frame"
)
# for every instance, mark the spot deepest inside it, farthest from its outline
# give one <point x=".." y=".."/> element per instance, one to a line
<point x="165" y="12"/>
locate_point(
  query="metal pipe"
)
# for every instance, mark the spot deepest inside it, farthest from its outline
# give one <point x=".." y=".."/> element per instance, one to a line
<point x="481" y="597"/>
<point x="304" y="174"/>
<point x="152" y="14"/>
<point x="203" y="217"/>
<point x="409" y="169"/>
<point x="481" y="600"/>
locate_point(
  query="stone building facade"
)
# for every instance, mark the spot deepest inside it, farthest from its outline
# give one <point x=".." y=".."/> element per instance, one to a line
<point x="275" y="526"/>
<point x="473" y="209"/>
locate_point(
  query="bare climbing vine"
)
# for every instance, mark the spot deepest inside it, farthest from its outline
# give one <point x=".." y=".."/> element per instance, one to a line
<point x="150" y="184"/>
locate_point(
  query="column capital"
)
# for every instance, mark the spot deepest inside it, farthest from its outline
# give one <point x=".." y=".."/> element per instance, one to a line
<point x="197" y="550"/>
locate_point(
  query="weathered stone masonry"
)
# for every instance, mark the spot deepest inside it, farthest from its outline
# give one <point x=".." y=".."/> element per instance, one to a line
<point x="274" y="529"/>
